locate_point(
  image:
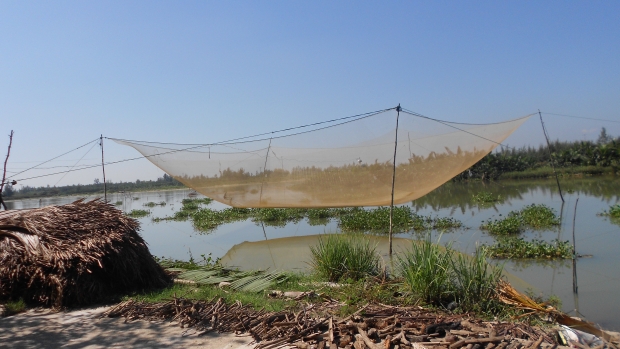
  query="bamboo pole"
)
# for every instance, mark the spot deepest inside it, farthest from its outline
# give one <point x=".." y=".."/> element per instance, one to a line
<point x="6" y="160"/>
<point x="550" y="158"/>
<point x="393" y="180"/>
<point x="105" y="189"/>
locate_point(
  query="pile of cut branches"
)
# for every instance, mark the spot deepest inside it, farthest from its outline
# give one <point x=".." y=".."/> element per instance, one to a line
<point x="316" y="326"/>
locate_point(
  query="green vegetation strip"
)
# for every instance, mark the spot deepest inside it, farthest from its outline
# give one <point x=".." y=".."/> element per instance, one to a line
<point x="351" y="219"/>
<point x="532" y="216"/>
<point x="518" y="248"/>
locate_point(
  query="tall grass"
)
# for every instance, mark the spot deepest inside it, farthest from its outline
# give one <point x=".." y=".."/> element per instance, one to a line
<point x="427" y="270"/>
<point x="475" y="281"/>
<point x="439" y="275"/>
<point x="345" y="256"/>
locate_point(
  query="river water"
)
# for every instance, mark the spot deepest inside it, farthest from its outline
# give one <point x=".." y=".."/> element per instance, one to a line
<point x="252" y="246"/>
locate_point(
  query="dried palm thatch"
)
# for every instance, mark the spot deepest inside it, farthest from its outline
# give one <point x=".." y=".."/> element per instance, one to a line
<point x="510" y="296"/>
<point x="75" y="254"/>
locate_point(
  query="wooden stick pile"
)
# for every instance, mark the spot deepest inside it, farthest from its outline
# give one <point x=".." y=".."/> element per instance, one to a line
<point x="315" y="326"/>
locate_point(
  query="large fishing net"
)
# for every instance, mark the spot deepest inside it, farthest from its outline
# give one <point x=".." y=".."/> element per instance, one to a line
<point x="344" y="162"/>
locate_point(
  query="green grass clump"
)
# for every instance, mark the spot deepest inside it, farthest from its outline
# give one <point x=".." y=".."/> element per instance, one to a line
<point x="439" y="275"/>
<point x="345" y="256"/>
<point x="14" y="307"/>
<point x="138" y="213"/>
<point x="513" y="248"/>
<point x="532" y="216"/>
<point x="476" y="282"/>
<point x="486" y="198"/>
<point x="118" y="203"/>
<point x="427" y="271"/>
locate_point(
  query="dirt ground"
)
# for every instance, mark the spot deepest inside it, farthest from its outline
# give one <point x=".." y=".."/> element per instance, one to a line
<point x="41" y="328"/>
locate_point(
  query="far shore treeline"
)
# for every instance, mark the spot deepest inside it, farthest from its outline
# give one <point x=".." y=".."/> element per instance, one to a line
<point x="569" y="158"/>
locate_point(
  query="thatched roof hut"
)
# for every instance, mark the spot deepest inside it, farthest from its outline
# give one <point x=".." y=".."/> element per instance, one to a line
<point x="75" y="254"/>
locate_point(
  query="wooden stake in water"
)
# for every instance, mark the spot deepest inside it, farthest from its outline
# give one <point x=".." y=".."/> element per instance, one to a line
<point x="393" y="180"/>
<point x="105" y="189"/>
<point x="550" y="158"/>
<point x="575" y="287"/>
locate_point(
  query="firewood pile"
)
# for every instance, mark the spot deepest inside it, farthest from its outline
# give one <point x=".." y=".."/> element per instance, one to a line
<point x="316" y="326"/>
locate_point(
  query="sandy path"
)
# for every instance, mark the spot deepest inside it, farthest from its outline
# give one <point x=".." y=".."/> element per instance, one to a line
<point x="84" y="329"/>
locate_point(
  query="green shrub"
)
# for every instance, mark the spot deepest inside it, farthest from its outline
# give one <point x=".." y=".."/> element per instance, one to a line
<point x="118" y="203"/>
<point x="14" y="307"/>
<point x="345" y="256"/>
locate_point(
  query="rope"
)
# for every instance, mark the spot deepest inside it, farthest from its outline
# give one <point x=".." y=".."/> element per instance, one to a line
<point x="44" y="162"/>
<point x="581" y="117"/>
<point x="446" y="123"/>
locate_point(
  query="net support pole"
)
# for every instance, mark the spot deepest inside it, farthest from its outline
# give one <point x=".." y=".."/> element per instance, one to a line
<point x="393" y="181"/>
<point x="6" y="160"/>
<point x="550" y="158"/>
<point x="575" y="287"/>
<point x="105" y="189"/>
<point x="260" y="197"/>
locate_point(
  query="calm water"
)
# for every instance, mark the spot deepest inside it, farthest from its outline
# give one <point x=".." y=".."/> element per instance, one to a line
<point x="248" y="245"/>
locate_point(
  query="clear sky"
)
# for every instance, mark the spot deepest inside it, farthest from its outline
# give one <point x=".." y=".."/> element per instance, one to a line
<point x="205" y="71"/>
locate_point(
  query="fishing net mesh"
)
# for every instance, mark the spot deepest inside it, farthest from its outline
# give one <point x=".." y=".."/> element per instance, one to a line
<point x="348" y="162"/>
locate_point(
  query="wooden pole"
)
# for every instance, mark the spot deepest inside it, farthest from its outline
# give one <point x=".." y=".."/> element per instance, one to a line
<point x="550" y="158"/>
<point x="393" y="180"/>
<point x="575" y="287"/>
<point x="105" y="189"/>
<point x="6" y="160"/>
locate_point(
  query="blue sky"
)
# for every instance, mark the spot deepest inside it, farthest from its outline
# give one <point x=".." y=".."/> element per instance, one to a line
<point x="204" y="71"/>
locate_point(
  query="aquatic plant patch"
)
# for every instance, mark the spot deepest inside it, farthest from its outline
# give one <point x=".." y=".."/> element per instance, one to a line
<point x="532" y="216"/>
<point x="539" y="216"/>
<point x="138" y="213"/>
<point x="511" y="225"/>
<point x="516" y="248"/>
<point x="403" y="219"/>
<point x="153" y="204"/>
<point x="486" y="198"/>
<point x="613" y="212"/>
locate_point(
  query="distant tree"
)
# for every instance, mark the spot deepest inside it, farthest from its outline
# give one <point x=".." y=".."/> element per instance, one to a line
<point x="8" y="190"/>
<point x="96" y="181"/>
<point x="603" y="137"/>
